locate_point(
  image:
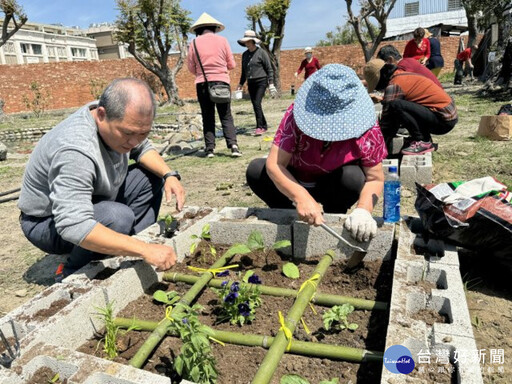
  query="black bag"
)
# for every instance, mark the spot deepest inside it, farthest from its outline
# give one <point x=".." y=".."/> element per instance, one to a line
<point x="505" y="109"/>
<point x="219" y="92"/>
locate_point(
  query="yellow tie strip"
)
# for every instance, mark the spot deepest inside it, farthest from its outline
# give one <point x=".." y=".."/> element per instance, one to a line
<point x="287" y="333"/>
<point x="312" y="281"/>
<point x="305" y="326"/>
<point x="217" y="341"/>
<point x="168" y="312"/>
<point x="213" y="271"/>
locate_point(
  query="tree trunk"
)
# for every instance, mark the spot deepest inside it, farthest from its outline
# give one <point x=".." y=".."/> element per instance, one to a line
<point x="472" y="28"/>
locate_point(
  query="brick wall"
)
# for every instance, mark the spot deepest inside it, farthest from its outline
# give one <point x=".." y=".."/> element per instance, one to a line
<point x="69" y="83"/>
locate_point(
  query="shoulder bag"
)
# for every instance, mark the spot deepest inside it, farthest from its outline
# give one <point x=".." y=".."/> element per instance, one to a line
<point x="219" y="93"/>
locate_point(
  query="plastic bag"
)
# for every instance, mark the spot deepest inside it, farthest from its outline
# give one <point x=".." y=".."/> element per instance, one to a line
<point x="482" y="222"/>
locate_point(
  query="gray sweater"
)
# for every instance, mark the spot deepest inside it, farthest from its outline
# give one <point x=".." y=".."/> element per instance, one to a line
<point x="256" y="65"/>
<point x="68" y="167"/>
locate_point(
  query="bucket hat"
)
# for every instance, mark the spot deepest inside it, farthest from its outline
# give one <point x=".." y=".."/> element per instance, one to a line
<point x="308" y="49"/>
<point x="205" y="20"/>
<point x="371" y="73"/>
<point x="333" y="105"/>
<point x="249" y="35"/>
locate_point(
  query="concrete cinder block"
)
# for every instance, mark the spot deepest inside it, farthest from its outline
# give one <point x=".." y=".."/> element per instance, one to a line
<point x="397" y="144"/>
<point x="236" y="224"/>
<point x="386" y="163"/>
<point x="416" y="169"/>
<point x="311" y="241"/>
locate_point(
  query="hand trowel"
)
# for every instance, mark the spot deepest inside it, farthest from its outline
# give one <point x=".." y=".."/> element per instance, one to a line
<point x="357" y="256"/>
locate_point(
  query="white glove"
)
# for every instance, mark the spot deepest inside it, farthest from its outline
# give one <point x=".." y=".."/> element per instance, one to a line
<point x="296" y="74"/>
<point x="273" y="90"/>
<point x="361" y="225"/>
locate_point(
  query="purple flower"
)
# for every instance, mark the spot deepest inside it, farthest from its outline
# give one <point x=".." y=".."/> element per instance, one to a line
<point x="223" y="273"/>
<point x="254" y="279"/>
<point x="223" y="284"/>
<point x="235" y="287"/>
<point x="230" y="298"/>
<point x="243" y="309"/>
<point x="184" y="320"/>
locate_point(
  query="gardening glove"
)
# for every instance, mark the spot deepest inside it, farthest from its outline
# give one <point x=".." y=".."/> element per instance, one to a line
<point x="273" y="90"/>
<point x="361" y="225"/>
<point x="296" y="74"/>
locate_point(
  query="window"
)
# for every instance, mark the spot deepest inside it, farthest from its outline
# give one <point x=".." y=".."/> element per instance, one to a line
<point x="78" y="52"/>
<point x="25" y="48"/>
<point x="9" y="47"/>
<point x="61" y="52"/>
<point x="412" y="9"/>
<point x="31" y="49"/>
<point x="51" y="51"/>
<point x="36" y="49"/>
<point x="454" y="5"/>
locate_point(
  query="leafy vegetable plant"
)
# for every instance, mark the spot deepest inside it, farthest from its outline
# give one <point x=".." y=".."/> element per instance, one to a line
<point x="239" y="303"/>
<point x="205" y="235"/>
<point x="338" y="315"/>
<point x="195" y="362"/>
<point x="169" y="225"/>
<point x="255" y="243"/>
<point x="291" y="271"/>
<point x="167" y="298"/>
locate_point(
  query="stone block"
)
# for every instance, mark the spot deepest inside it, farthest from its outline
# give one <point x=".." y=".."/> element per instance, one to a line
<point x="416" y="169"/>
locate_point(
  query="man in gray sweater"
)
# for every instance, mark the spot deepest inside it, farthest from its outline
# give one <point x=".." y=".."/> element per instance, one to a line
<point x="79" y="195"/>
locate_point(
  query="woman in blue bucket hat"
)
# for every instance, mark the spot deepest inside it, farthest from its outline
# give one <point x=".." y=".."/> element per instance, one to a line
<point x="327" y="153"/>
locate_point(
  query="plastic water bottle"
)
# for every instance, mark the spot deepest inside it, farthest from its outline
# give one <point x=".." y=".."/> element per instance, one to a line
<point x="392" y="196"/>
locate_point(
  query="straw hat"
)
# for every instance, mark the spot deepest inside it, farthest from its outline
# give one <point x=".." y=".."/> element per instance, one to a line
<point x="372" y="73"/>
<point x="333" y="105"/>
<point x="308" y="50"/>
<point x="427" y="33"/>
<point x="249" y="35"/>
<point x="205" y="20"/>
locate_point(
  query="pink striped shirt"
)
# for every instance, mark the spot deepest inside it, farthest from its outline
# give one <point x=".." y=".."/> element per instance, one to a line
<point x="216" y="57"/>
<point x="311" y="159"/>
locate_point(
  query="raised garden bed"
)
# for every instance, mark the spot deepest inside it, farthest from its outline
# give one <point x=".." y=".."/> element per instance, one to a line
<point x="235" y="363"/>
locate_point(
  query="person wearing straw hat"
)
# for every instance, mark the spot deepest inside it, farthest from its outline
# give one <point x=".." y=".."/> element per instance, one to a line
<point x="327" y="154"/>
<point x="310" y="64"/>
<point x="257" y="70"/>
<point x="435" y="62"/>
<point x="217" y="60"/>
<point x="413" y="102"/>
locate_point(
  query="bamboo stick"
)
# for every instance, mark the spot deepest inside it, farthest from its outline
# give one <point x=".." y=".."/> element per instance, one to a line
<point x="304" y="348"/>
<point x="159" y="332"/>
<point x="326" y="299"/>
<point x="280" y="344"/>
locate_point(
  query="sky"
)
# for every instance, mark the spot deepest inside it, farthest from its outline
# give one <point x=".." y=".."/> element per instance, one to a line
<point x="307" y="21"/>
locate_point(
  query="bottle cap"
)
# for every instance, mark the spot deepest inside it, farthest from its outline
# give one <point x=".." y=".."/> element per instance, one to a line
<point x="392" y="169"/>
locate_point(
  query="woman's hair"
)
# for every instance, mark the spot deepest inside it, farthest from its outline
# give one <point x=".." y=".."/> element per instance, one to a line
<point x="388" y="51"/>
<point x="419" y="33"/>
<point x="386" y="72"/>
<point x="199" y="30"/>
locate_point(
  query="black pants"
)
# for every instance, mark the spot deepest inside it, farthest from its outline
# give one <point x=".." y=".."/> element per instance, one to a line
<point x="208" y="115"/>
<point x="257" y="88"/>
<point x="336" y="191"/>
<point x="459" y="71"/>
<point x="417" y="119"/>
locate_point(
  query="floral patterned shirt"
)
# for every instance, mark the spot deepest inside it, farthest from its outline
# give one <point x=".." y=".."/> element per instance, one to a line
<point x="312" y="158"/>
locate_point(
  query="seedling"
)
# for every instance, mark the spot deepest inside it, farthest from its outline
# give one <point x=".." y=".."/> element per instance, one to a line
<point x="239" y="303"/>
<point x="168" y="225"/>
<point x="476" y="322"/>
<point x="255" y="243"/>
<point x="205" y="235"/>
<point x="54" y="379"/>
<point x="195" y="362"/>
<point x="167" y="298"/>
<point x="291" y="271"/>
<point x="111" y="330"/>
<point x="338" y="315"/>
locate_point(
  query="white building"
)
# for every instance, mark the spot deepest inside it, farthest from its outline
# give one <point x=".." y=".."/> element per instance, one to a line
<point x="407" y="15"/>
<point x="43" y="43"/>
<point x="108" y="46"/>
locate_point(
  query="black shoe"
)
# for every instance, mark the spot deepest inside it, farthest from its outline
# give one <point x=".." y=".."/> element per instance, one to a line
<point x="235" y="152"/>
<point x="209" y="153"/>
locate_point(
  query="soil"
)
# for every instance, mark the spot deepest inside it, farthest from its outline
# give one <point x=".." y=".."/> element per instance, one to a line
<point x="430" y="316"/>
<point x="238" y="364"/>
<point x="45" y="375"/>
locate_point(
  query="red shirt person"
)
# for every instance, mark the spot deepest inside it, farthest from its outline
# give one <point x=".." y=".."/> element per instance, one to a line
<point x="419" y="47"/>
<point x="310" y="64"/>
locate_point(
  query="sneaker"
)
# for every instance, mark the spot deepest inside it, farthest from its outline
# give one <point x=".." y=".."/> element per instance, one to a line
<point x="59" y="273"/>
<point x="418" y="148"/>
<point x="235" y="152"/>
<point x="402" y="132"/>
<point x="209" y="153"/>
<point x="260" y="131"/>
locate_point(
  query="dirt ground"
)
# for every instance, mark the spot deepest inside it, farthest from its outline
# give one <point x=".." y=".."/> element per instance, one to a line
<point x="219" y="182"/>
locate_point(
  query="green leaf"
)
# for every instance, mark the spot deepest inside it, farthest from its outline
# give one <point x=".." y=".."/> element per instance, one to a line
<point x="293" y="379"/>
<point x="178" y="365"/>
<point x="55" y="378"/>
<point x="160" y="296"/>
<point x="255" y="241"/>
<point x="238" y="249"/>
<point x="193" y="247"/>
<point x="353" y="326"/>
<point x="205" y="233"/>
<point x="291" y="271"/>
<point x="248" y="274"/>
<point x="281" y="244"/>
